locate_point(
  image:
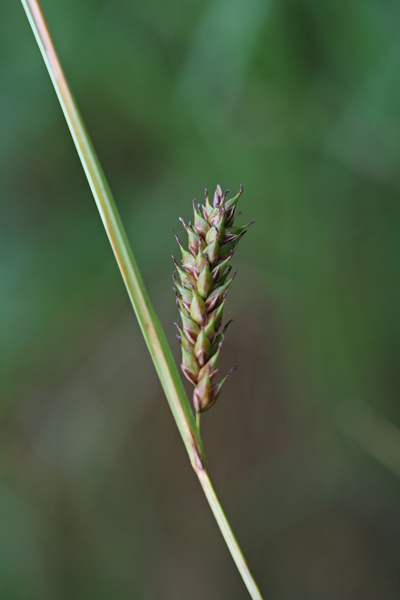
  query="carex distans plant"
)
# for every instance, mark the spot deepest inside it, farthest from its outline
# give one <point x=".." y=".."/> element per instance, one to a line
<point x="204" y="281"/>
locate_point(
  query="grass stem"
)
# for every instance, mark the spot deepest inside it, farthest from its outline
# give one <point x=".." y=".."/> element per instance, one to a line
<point x="198" y="418"/>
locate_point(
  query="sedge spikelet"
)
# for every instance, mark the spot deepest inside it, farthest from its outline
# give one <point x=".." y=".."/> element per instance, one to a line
<point x="204" y="281"/>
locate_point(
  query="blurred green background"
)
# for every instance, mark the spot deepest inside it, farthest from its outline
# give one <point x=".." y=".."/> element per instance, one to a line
<point x="299" y="100"/>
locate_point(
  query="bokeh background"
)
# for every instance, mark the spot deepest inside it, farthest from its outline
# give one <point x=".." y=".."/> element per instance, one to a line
<point x="299" y="100"/>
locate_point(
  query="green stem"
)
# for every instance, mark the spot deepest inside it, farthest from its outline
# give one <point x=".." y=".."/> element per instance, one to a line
<point x="198" y="418"/>
<point x="228" y="534"/>
<point x="148" y="321"/>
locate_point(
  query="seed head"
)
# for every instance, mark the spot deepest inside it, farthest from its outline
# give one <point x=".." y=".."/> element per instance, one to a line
<point x="201" y="294"/>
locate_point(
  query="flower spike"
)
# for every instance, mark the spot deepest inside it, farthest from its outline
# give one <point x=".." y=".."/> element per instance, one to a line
<point x="201" y="292"/>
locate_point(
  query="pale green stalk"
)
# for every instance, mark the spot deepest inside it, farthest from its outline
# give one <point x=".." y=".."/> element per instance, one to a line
<point x="148" y="321"/>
